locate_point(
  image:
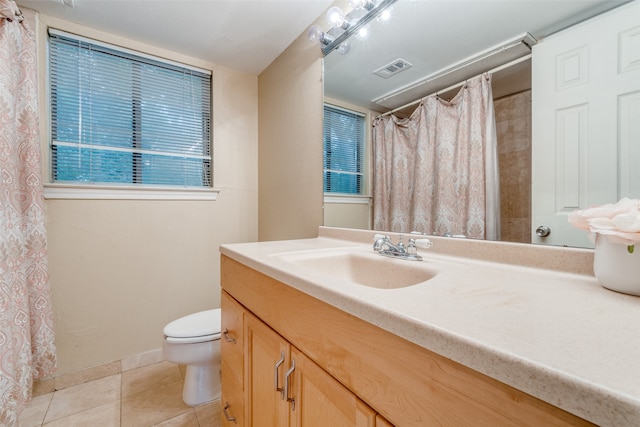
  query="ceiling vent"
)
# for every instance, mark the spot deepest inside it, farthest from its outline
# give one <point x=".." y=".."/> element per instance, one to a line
<point x="392" y="68"/>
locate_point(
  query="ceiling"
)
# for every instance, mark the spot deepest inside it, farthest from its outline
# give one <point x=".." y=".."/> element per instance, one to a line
<point x="247" y="35"/>
<point x="433" y="35"/>
<point x="244" y="35"/>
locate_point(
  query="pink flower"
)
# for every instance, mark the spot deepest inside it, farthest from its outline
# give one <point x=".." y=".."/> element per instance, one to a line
<point x="620" y="221"/>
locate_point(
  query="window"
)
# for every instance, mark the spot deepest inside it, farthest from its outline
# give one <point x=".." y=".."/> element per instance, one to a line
<point x="121" y="118"/>
<point x="344" y="141"/>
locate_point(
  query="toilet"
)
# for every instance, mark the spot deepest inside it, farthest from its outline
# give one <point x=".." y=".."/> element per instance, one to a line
<point x="194" y="341"/>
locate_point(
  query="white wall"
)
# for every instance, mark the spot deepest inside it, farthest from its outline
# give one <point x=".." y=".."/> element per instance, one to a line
<point x="290" y="153"/>
<point x="120" y="270"/>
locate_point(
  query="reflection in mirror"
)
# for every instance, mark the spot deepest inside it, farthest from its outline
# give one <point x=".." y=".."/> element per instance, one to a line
<point x="445" y="43"/>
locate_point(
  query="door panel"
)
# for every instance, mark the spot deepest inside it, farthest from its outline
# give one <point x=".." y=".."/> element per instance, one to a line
<point x="265" y="347"/>
<point x="586" y="121"/>
<point x="322" y="401"/>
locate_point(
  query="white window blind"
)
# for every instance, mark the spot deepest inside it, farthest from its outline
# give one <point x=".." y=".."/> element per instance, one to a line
<point x="118" y="118"/>
<point x="344" y="142"/>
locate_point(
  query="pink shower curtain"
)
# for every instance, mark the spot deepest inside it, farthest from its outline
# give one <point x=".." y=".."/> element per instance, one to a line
<point x="27" y="349"/>
<point x="436" y="171"/>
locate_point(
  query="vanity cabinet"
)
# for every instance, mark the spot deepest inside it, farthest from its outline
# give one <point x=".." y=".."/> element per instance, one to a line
<point x="350" y="372"/>
<point x="253" y="394"/>
<point x="286" y="388"/>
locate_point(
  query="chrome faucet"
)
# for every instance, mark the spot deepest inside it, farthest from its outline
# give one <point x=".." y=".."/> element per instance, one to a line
<point x="383" y="246"/>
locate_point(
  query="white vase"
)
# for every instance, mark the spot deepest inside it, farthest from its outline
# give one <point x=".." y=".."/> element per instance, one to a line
<point x="616" y="268"/>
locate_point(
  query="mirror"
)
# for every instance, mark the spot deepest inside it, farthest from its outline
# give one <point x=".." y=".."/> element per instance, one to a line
<point x="446" y="42"/>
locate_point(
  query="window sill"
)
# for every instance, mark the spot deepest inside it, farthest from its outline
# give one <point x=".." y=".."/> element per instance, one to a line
<point x="347" y="198"/>
<point x="95" y="192"/>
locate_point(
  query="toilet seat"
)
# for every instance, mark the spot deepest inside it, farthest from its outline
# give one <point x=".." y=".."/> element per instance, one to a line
<point x="194" y="328"/>
<point x="192" y="340"/>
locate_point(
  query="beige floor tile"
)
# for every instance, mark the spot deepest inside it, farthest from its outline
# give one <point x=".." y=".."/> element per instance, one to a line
<point x="104" y="416"/>
<point x="188" y="419"/>
<point x="82" y="397"/>
<point x="33" y="414"/>
<point x="153" y="406"/>
<point x="209" y="415"/>
<point x="148" y="377"/>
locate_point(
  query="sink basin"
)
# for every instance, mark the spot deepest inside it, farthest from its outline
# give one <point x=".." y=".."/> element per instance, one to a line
<point x="367" y="269"/>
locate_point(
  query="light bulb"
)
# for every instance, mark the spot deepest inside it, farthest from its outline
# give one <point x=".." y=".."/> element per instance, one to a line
<point x="343" y="48"/>
<point x="314" y="33"/>
<point x="363" y="32"/>
<point x="385" y="15"/>
<point x="336" y="17"/>
<point x="362" y="4"/>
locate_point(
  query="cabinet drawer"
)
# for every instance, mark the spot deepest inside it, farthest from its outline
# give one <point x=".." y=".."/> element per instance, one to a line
<point x="232" y="340"/>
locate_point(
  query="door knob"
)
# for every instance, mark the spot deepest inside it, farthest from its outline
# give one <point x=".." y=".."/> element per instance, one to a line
<point x="543" y="231"/>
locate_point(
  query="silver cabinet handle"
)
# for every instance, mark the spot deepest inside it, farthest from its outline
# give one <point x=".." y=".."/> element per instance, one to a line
<point x="226" y="414"/>
<point x="227" y="338"/>
<point x="286" y="385"/>
<point x="275" y="375"/>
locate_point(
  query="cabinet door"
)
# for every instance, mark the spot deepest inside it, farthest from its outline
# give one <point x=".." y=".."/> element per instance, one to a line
<point x="267" y="361"/>
<point x="381" y="422"/>
<point x="320" y="400"/>
<point x="232" y="363"/>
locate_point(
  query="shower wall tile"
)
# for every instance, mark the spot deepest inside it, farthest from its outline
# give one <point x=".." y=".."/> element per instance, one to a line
<point x="518" y="205"/>
<point x="513" y="128"/>
<point x="515" y="168"/>
<point x="516" y="133"/>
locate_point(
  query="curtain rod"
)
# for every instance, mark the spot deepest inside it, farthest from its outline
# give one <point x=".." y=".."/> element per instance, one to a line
<point x="492" y="71"/>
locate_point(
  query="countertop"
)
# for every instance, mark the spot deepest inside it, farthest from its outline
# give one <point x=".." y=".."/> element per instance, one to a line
<point x="556" y="334"/>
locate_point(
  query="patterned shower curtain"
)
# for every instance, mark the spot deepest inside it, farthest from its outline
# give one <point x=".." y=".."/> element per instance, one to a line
<point x="27" y="348"/>
<point x="436" y="171"/>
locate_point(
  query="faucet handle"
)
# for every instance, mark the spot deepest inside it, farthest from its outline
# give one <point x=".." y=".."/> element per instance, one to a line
<point x="424" y="243"/>
<point x="378" y="236"/>
<point x="412" y="248"/>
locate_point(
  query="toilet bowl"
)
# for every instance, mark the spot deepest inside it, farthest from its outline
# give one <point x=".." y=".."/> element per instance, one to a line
<point x="194" y="341"/>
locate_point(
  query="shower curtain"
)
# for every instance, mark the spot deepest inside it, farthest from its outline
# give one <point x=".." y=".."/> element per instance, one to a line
<point x="436" y="171"/>
<point x="27" y="349"/>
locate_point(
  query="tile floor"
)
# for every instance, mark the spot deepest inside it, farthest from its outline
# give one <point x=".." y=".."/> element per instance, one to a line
<point x="142" y="397"/>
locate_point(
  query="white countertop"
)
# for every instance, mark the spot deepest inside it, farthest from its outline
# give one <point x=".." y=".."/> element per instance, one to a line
<point x="558" y="336"/>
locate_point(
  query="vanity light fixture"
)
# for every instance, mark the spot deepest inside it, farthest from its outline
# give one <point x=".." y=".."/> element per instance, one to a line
<point x="344" y="25"/>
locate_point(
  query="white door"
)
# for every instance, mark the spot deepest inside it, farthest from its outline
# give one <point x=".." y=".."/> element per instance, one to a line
<point x="585" y="121"/>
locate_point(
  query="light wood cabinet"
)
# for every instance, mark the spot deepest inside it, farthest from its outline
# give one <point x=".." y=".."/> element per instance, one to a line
<point x="345" y="362"/>
<point x="381" y="422"/>
<point x="268" y="356"/>
<point x="323" y="400"/>
<point x="284" y="388"/>
<point x="232" y="362"/>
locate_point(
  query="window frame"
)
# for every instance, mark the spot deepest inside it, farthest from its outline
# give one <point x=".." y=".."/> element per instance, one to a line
<point x="364" y="195"/>
<point x="124" y="191"/>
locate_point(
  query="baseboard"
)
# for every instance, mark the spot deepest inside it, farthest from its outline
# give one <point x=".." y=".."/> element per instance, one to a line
<point x="48" y="385"/>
